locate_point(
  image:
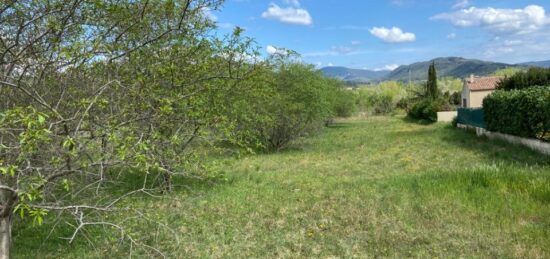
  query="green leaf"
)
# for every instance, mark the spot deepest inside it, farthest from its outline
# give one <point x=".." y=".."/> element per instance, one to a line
<point x="41" y="119"/>
<point x="66" y="185"/>
<point x="68" y="143"/>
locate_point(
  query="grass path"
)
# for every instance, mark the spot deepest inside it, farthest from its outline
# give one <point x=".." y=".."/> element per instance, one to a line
<point x="380" y="187"/>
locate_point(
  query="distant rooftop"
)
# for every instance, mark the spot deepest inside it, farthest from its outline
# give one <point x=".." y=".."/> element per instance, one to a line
<point x="482" y="83"/>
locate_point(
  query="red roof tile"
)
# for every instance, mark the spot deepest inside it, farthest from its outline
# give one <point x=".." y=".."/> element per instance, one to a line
<point x="482" y="83"/>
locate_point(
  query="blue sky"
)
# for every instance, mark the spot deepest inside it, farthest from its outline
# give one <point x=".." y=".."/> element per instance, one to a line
<point x="379" y="34"/>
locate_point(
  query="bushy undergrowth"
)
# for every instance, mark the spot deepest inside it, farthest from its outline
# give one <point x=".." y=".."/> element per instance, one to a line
<point x="390" y="97"/>
<point x="429" y="100"/>
<point x="289" y="101"/>
<point x="425" y="110"/>
<point x="382" y="98"/>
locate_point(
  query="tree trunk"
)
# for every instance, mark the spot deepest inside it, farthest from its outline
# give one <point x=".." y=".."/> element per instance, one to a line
<point x="167" y="183"/>
<point x="8" y="199"/>
<point x="5" y="236"/>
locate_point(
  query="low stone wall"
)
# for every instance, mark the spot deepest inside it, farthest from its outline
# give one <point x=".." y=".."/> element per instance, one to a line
<point x="534" y="144"/>
<point x="446" y="116"/>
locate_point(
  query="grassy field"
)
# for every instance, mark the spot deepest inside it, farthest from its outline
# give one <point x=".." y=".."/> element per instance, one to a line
<point x="377" y="187"/>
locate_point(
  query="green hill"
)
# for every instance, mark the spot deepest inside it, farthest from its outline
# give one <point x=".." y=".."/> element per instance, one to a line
<point x="545" y="64"/>
<point x="449" y="66"/>
<point x="354" y="75"/>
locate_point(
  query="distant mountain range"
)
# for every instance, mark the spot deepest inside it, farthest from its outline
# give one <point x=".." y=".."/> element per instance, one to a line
<point x="545" y="64"/>
<point x="354" y="75"/>
<point x="448" y="66"/>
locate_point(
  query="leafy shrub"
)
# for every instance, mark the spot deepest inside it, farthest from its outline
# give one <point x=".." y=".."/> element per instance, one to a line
<point x="344" y="103"/>
<point x="426" y="110"/>
<point x="405" y="104"/>
<point x="282" y="102"/>
<point x="524" y="113"/>
<point x="380" y="99"/>
<point x="526" y="79"/>
<point x="300" y="101"/>
<point x="455" y="98"/>
<point x="384" y="104"/>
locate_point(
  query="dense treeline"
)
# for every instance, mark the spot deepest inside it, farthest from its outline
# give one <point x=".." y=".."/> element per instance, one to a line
<point x="526" y="79"/>
<point x="94" y="87"/>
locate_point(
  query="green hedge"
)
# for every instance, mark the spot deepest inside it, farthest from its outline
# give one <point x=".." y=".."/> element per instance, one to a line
<point x="524" y="113"/>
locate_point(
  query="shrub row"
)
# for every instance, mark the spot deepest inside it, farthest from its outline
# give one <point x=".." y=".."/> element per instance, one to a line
<point x="524" y="113"/>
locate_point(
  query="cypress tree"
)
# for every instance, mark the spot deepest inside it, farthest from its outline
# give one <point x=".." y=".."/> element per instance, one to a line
<point x="431" y="86"/>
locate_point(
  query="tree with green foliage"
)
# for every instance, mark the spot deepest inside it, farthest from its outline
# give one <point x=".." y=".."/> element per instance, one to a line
<point x="98" y="91"/>
<point x="95" y="87"/>
<point x="302" y="102"/>
<point x="526" y="79"/>
<point x="510" y="71"/>
<point x="431" y="101"/>
<point x="431" y="86"/>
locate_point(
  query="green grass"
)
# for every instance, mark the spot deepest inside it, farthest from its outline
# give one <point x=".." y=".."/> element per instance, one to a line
<point x="380" y="187"/>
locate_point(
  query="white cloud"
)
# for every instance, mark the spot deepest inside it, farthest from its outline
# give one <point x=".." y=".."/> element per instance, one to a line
<point x="387" y="68"/>
<point x="330" y="64"/>
<point x="522" y="21"/>
<point x="393" y="35"/>
<point x="451" y="36"/>
<point x="275" y="51"/>
<point x="292" y="15"/>
<point x="355" y="42"/>
<point x="462" y="4"/>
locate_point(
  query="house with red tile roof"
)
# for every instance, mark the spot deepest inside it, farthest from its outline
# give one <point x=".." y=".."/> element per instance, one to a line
<point x="476" y="89"/>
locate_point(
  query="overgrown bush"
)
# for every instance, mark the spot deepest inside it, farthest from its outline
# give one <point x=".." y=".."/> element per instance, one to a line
<point x="524" y="113"/>
<point x="344" y="103"/>
<point x="426" y="110"/>
<point x="296" y="100"/>
<point x="429" y="100"/>
<point x="455" y="98"/>
<point x="382" y="98"/>
<point x="526" y="79"/>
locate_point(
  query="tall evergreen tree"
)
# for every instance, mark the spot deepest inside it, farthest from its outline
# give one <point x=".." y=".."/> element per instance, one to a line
<point x="431" y="87"/>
